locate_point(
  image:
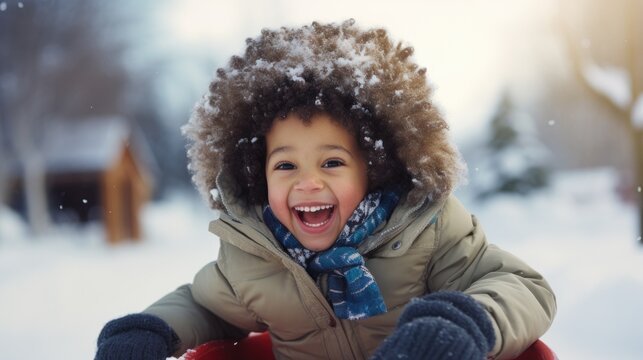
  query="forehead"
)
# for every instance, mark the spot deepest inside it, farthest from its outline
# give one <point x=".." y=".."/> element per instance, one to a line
<point x="320" y="129"/>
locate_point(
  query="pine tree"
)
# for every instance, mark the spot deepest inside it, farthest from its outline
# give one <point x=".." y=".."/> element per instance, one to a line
<point x="512" y="160"/>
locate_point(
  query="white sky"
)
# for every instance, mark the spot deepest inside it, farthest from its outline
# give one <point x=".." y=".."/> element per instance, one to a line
<point x="471" y="49"/>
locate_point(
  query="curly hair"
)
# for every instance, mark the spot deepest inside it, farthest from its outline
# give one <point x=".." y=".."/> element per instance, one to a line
<point x="363" y="80"/>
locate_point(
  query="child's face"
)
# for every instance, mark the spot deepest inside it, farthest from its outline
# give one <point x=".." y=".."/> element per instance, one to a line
<point x="316" y="178"/>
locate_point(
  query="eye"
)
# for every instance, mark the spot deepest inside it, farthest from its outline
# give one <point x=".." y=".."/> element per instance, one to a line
<point x="284" y="166"/>
<point x="333" y="163"/>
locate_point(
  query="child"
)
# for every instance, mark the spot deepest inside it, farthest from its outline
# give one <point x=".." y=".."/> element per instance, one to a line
<point x="333" y="173"/>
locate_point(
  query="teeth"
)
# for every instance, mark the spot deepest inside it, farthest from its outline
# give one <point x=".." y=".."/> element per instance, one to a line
<point x="316" y="225"/>
<point x="312" y="208"/>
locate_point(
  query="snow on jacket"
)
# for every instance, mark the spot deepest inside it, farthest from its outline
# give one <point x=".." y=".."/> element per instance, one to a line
<point x="424" y="247"/>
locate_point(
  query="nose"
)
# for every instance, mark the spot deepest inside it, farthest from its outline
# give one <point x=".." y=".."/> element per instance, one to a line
<point x="309" y="181"/>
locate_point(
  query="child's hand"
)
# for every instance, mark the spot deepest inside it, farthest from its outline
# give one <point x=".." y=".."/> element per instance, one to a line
<point x="136" y="337"/>
<point x="442" y="325"/>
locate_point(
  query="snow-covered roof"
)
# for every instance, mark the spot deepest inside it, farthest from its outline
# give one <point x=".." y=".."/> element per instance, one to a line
<point x="83" y="146"/>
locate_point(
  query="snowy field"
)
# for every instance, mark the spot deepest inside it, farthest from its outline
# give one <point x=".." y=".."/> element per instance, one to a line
<point x="56" y="292"/>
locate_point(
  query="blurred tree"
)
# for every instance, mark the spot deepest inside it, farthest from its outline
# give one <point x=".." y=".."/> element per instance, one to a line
<point x="57" y="61"/>
<point x="604" y="41"/>
<point x="513" y="159"/>
<point x="167" y="77"/>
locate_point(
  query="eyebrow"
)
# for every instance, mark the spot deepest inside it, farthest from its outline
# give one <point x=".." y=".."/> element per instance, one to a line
<point x="322" y="148"/>
<point x="278" y="150"/>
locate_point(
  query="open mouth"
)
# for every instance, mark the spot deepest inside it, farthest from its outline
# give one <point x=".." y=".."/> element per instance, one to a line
<point x="315" y="216"/>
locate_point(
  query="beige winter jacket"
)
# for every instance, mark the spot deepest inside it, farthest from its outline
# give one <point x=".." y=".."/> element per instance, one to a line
<point x="256" y="286"/>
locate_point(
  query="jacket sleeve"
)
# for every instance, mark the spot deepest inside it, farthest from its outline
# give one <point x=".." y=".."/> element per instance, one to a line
<point x="188" y="310"/>
<point x="520" y="302"/>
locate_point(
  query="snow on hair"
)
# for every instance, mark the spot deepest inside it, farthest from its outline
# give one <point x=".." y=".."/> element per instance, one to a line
<point x="364" y="80"/>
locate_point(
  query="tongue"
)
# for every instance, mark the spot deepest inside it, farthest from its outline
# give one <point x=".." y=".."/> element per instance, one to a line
<point x="316" y="217"/>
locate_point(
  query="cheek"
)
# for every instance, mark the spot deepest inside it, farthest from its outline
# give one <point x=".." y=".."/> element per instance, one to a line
<point x="352" y="194"/>
<point x="278" y="201"/>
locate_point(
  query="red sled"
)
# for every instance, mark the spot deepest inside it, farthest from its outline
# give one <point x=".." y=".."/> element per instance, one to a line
<point x="257" y="346"/>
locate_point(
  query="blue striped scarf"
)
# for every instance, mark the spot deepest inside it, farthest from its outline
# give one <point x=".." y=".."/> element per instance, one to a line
<point x="352" y="291"/>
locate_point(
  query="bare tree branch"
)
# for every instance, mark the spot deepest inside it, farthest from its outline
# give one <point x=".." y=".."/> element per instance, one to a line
<point x="579" y="63"/>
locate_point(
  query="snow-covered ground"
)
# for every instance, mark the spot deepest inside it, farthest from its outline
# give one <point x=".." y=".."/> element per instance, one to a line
<point x="586" y="243"/>
<point x="56" y="292"/>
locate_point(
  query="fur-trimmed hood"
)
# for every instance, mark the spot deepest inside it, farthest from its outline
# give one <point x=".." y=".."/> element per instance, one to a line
<point x="378" y="75"/>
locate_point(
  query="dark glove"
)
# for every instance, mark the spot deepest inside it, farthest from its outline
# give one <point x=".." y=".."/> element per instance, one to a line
<point x="136" y="337"/>
<point x="441" y="325"/>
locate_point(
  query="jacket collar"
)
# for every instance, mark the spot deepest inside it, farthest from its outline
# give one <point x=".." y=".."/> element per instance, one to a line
<point x="406" y="212"/>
